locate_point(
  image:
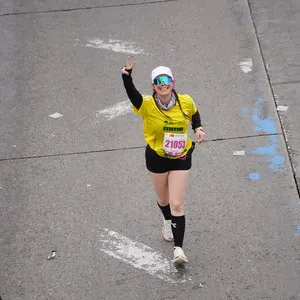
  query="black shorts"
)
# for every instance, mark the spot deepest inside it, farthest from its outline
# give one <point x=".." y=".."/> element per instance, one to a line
<point x="158" y="164"/>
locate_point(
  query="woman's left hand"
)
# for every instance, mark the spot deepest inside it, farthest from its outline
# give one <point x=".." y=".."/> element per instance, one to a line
<point x="200" y="135"/>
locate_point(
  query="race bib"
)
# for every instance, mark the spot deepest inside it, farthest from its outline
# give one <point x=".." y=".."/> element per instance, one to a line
<point x="174" y="143"/>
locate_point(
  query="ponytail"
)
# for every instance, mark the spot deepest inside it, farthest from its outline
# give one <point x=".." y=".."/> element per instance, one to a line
<point x="177" y="99"/>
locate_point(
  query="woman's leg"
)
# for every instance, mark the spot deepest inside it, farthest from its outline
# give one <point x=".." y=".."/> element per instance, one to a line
<point x="178" y="182"/>
<point x="160" y="184"/>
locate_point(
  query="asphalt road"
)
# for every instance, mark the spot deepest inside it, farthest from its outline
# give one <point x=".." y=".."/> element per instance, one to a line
<point x="79" y="218"/>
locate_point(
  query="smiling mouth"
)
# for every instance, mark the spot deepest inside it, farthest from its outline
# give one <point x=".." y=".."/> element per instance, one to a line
<point x="164" y="88"/>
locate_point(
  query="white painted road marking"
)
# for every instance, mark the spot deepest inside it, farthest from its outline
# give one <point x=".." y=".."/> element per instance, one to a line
<point x="239" y="152"/>
<point x="136" y="254"/>
<point x="282" y="108"/>
<point x="116" y="46"/>
<point x="117" y="110"/>
<point x="56" y="115"/>
<point x="246" y="65"/>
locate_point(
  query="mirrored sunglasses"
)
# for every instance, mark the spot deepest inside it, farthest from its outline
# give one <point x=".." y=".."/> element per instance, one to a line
<point x="162" y="79"/>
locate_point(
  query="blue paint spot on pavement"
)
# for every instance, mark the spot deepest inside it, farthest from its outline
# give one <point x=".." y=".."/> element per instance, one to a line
<point x="244" y="111"/>
<point x="268" y="126"/>
<point x="297" y="230"/>
<point x="270" y="152"/>
<point x="265" y="125"/>
<point x="254" y="176"/>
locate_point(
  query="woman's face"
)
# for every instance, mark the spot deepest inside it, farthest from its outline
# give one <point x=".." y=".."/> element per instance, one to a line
<point x="163" y="86"/>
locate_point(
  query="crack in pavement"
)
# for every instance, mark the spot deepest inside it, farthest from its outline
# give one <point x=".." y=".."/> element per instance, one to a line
<point x="127" y="148"/>
<point x="84" y="8"/>
<point x="286" y="82"/>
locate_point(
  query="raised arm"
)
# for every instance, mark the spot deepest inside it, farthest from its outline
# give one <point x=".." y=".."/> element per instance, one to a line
<point x="133" y="94"/>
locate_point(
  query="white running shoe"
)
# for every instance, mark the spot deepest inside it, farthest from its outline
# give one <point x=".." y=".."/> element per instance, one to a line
<point x="167" y="231"/>
<point x="179" y="257"/>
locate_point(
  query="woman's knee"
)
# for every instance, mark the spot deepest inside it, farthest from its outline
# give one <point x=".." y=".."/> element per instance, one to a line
<point x="163" y="201"/>
<point x="176" y="207"/>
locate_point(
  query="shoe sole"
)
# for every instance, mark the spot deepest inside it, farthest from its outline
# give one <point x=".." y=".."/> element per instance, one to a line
<point x="180" y="261"/>
<point x="167" y="240"/>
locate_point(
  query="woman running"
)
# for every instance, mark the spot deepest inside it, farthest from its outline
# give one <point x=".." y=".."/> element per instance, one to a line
<point x="166" y="116"/>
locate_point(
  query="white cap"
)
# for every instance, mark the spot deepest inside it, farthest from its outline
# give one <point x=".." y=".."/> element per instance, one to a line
<point x="160" y="71"/>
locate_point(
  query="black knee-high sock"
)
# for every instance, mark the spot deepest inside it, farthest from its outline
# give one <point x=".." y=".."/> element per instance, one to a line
<point x="178" y="228"/>
<point x="166" y="211"/>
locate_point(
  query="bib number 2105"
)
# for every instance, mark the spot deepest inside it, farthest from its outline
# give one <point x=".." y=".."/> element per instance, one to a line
<point x="174" y="143"/>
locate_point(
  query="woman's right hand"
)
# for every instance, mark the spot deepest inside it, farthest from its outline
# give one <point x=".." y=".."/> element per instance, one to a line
<point x="128" y="66"/>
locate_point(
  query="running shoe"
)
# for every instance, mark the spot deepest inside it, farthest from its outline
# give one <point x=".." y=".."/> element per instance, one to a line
<point x="167" y="231"/>
<point x="179" y="257"/>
